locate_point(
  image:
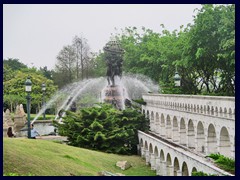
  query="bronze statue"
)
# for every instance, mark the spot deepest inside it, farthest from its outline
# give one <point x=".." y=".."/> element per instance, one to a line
<point x="114" y="60"/>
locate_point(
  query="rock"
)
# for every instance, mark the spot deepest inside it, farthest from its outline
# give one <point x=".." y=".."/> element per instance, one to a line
<point x="123" y="165"/>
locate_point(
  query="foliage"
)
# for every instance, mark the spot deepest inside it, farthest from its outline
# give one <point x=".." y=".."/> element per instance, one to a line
<point x="14" y="64"/>
<point x="200" y="173"/>
<point x="104" y="128"/>
<point x="223" y="162"/>
<point x="74" y="61"/>
<point x="203" y="53"/>
<point x="14" y="87"/>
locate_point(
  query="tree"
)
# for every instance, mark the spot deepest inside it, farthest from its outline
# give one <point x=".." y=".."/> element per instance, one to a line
<point x="104" y="128"/>
<point x="81" y="48"/>
<point x="66" y="63"/>
<point x="14" y="64"/>
<point x="14" y="89"/>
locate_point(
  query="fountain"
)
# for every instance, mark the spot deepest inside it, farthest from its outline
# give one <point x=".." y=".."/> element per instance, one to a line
<point x="117" y="90"/>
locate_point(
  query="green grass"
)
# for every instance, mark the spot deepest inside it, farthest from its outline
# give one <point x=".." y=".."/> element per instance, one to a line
<point x="38" y="157"/>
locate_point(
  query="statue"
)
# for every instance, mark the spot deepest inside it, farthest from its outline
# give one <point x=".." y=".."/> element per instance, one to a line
<point x="114" y="60"/>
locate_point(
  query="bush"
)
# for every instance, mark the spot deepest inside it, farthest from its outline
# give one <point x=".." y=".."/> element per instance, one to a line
<point x="104" y="128"/>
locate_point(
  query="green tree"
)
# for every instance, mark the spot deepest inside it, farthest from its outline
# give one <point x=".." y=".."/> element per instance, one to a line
<point x="14" y="88"/>
<point x="104" y="128"/>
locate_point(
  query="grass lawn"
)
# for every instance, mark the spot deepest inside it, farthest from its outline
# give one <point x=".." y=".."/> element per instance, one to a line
<point x="48" y="158"/>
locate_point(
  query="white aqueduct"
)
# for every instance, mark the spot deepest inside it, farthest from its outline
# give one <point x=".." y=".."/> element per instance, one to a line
<point x="184" y="129"/>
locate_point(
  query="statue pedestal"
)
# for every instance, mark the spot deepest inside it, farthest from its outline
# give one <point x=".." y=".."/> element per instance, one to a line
<point x="114" y="95"/>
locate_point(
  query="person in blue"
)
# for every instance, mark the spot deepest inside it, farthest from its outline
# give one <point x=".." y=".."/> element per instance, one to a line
<point x="34" y="132"/>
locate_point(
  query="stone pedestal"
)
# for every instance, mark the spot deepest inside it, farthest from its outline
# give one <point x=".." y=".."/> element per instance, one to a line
<point x="114" y="96"/>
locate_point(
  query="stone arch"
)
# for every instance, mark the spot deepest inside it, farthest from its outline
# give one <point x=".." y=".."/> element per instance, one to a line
<point x="162" y="157"/>
<point x="212" y="110"/>
<point x="194" y="169"/>
<point x="141" y="142"/>
<point x="200" y="138"/>
<point x="157" y="129"/>
<point x="224" y="145"/>
<point x="169" y="165"/>
<point x="176" y="167"/>
<point x="191" y="135"/>
<point x="168" y="128"/>
<point x="220" y="110"/>
<point x="163" y="130"/>
<point x="147" y="114"/>
<point x="150" y="148"/>
<point x="156" y="153"/>
<point x="225" y="110"/>
<point x="175" y="130"/>
<point x="198" y="108"/>
<point x="185" y="169"/>
<point x="146" y="145"/>
<point x="211" y="139"/>
<point x="183" y="136"/>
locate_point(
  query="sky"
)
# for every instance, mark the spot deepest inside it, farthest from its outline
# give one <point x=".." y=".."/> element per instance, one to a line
<point x="35" y="34"/>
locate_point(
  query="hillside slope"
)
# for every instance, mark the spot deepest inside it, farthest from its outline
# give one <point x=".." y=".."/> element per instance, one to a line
<point x="47" y="158"/>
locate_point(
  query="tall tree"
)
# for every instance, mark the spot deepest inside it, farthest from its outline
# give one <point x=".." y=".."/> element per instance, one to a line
<point x="81" y="49"/>
<point x="66" y="63"/>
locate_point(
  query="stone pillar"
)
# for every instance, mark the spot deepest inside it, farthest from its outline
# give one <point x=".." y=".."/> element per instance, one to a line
<point x="19" y="119"/>
<point x="143" y="152"/>
<point x="164" y="168"/>
<point x="153" y="161"/>
<point x="206" y="141"/>
<point x="232" y="144"/>
<point x="170" y="170"/>
<point x="158" y="170"/>
<point x="147" y="157"/>
<point x="179" y="173"/>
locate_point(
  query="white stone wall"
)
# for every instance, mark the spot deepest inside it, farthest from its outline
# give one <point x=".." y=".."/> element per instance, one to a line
<point x="201" y="131"/>
<point x="168" y="157"/>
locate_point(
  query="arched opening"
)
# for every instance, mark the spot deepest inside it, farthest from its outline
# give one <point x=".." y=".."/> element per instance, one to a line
<point x="211" y="139"/>
<point x="162" y="157"/>
<point x="176" y="167"/>
<point x="146" y="146"/>
<point x="193" y="170"/>
<point x="224" y="146"/>
<point x="156" y="151"/>
<point x="200" y="138"/>
<point x="216" y="111"/>
<point x="147" y="115"/>
<point x="185" y="169"/>
<point x="151" y="148"/>
<point x="169" y="128"/>
<point x="169" y="165"/>
<point x="157" y="124"/>
<point x="191" y="135"/>
<point x="163" y="130"/>
<point x="182" y="132"/>
<point x="141" y="142"/>
<point x="143" y="111"/>
<point x="175" y="130"/>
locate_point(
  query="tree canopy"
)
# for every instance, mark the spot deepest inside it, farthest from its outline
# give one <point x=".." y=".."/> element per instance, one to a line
<point x="104" y="128"/>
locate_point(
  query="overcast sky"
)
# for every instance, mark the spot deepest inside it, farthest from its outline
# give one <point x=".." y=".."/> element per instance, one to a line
<point x="35" y="34"/>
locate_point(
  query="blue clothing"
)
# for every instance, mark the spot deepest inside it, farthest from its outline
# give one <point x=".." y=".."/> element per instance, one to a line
<point x="34" y="133"/>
